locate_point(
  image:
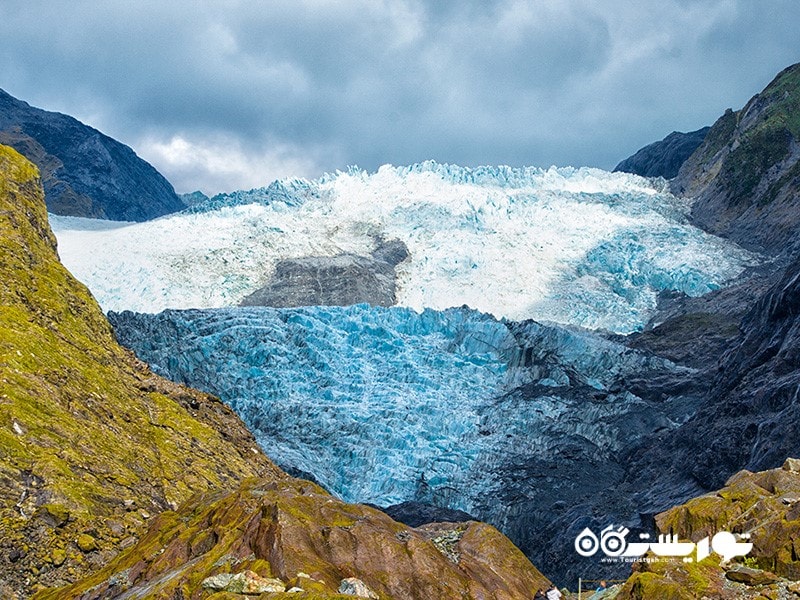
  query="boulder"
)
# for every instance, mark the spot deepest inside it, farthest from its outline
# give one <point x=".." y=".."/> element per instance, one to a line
<point x="353" y="586"/>
<point x="246" y="582"/>
<point x="749" y="576"/>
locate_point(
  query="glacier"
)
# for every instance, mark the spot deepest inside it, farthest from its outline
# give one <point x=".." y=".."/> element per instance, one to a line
<point x="385" y="405"/>
<point x="568" y="245"/>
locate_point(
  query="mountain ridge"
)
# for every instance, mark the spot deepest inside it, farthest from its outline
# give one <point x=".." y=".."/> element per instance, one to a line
<point x="85" y="173"/>
<point x="745" y="176"/>
<point x="664" y="158"/>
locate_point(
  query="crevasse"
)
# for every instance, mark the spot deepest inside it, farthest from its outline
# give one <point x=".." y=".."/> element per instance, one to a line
<point x="386" y="404"/>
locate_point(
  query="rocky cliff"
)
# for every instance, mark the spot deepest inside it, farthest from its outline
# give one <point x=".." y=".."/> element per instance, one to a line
<point x="748" y="418"/>
<point x="746" y="174"/>
<point x="764" y="505"/>
<point x="664" y="158"/>
<point x="85" y="173"/>
<point x="97" y="454"/>
<point x="92" y="442"/>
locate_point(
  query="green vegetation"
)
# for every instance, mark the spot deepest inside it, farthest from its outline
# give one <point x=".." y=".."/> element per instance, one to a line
<point x="718" y="137"/>
<point x="91" y="443"/>
<point x="772" y="121"/>
<point x="783" y="98"/>
<point x="745" y="166"/>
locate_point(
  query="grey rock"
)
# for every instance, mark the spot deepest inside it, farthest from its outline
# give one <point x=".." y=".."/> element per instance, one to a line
<point x="247" y="582"/>
<point x="353" y="586"/>
<point x="792" y="464"/>
<point x="85" y="173"/>
<point x="414" y="514"/>
<point x="217" y="582"/>
<point x="664" y="158"/>
<point x="748" y="576"/>
<point x="334" y="280"/>
<point x="745" y="176"/>
<point x="391" y="252"/>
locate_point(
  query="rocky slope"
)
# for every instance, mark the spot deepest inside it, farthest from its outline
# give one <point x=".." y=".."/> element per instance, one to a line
<point x="746" y="174"/>
<point x="92" y="442"/>
<point x="95" y="451"/>
<point x="748" y="418"/>
<point x="300" y="537"/>
<point x="85" y="173"/>
<point x="664" y="158"/>
<point x="765" y="505"/>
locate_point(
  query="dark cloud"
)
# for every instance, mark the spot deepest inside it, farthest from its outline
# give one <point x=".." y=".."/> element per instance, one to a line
<point x="231" y="94"/>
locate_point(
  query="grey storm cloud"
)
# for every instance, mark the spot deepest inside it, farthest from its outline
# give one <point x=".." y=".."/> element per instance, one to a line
<point x="227" y="94"/>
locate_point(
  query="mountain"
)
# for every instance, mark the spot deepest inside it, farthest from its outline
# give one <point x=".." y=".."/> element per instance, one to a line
<point x="93" y="443"/>
<point x="664" y="158"/>
<point x="558" y="428"/>
<point x="518" y="423"/>
<point x="84" y="172"/>
<point x="117" y="483"/>
<point x="745" y="176"/>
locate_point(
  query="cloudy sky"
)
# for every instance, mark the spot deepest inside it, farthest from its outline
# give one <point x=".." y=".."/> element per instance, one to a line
<point x="225" y="95"/>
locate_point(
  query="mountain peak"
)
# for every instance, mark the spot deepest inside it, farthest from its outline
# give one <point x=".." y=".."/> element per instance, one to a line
<point x="746" y="173"/>
<point x="85" y="173"/>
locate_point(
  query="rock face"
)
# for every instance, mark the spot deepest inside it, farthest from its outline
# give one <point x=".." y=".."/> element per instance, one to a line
<point x="747" y="419"/>
<point x="415" y="514"/>
<point x="746" y="174"/>
<point x="664" y="158"/>
<point x="92" y="442"/>
<point x="334" y="280"/>
<point x="85" y="173"/>
<point x="297" y="536"/>
<point x="764" y="504"/>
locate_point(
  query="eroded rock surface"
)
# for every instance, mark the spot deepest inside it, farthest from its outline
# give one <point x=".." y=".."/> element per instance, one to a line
<point x="334" y="280"/>
<point x="298" y="534"/>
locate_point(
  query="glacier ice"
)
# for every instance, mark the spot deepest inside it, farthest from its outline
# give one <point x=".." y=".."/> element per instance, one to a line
<point x="386" y="404"/>
<point x="577" y="246"/>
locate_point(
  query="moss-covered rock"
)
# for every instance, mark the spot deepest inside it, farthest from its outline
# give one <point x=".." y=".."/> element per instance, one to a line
<point x="84" y="426"/>
<point x="765" y="505"/>
<point x="745" y="174"/>
<point x="299" y="534"/>
<point x="86" y="543"/>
